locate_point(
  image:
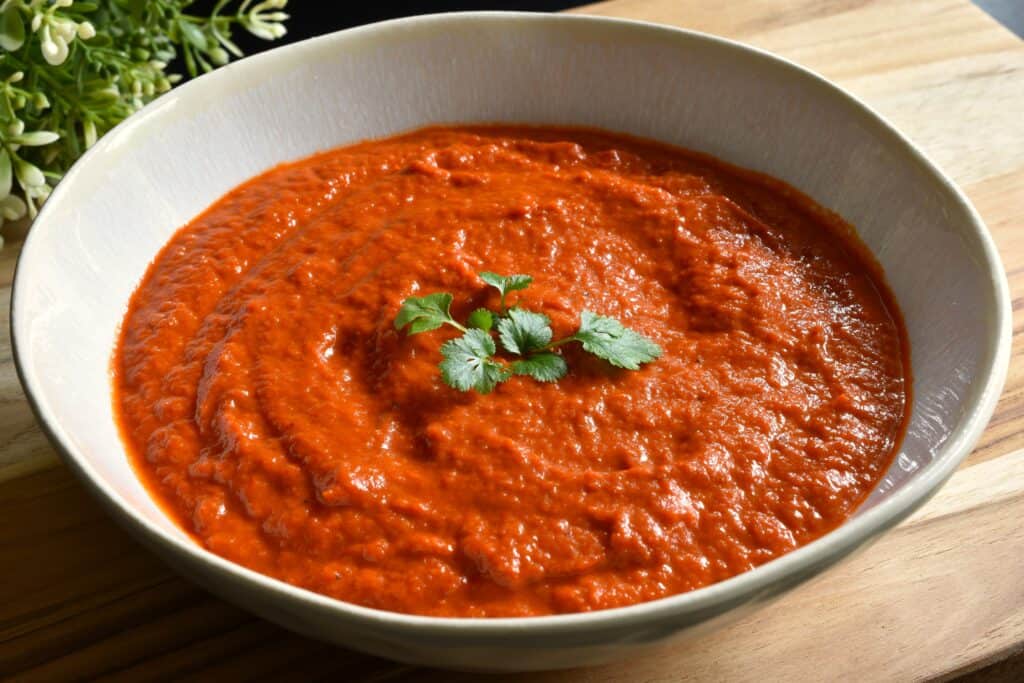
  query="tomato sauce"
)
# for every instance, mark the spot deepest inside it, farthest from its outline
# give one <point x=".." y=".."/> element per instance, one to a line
<point x="271" y="407"/>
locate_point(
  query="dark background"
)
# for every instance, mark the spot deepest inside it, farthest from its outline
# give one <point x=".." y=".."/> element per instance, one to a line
<point x="312" y="18"/>
<point x="315" y="17"/>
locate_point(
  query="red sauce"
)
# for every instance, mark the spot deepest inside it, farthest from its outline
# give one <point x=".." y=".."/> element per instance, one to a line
<point x="271" y="407"/>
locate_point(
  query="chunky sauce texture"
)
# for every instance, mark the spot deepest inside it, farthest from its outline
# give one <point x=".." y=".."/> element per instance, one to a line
<point x="273" y="410"/>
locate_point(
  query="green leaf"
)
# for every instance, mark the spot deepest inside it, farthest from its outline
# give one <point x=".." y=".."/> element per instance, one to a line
<point x="524" y="331"/>
<point x="5" y="173"/>
<point x="468" y="364"/>
<point x="426" y="313"/>
<point x="543" y="367"/>
<point x="506" y="283"/>
<point x="36" y="138"/>
<point x="192" y="34"/>
<point x="12" y="28"/>
<point x="481" y="319"/>
<point x="607" y="338"/>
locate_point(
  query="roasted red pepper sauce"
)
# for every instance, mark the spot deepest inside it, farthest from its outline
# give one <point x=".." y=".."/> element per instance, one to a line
<point x="271" y="407"/>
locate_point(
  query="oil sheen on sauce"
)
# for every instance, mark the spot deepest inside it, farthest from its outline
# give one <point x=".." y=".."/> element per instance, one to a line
<point x="270" y="406"/>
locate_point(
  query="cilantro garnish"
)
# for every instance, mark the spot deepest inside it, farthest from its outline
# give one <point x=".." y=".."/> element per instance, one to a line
<point x="543" y="367"/>
<point x="470" y="362"/>
<point x="481" y="319"/>
<point x="423" y="314"/>
<point x="607" y="338"/>
<point x="506" y="284"/>
<point x="524" y="331"/>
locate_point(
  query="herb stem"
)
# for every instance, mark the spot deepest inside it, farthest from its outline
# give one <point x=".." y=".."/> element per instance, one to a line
<point x="560" y="342"/>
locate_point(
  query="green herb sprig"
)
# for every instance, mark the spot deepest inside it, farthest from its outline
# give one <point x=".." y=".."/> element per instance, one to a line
<point x="470" y="361"/>
<point x="70" y="70"/>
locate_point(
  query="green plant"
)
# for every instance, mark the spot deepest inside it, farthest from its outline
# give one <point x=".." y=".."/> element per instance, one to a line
<point x="71" y="70"/>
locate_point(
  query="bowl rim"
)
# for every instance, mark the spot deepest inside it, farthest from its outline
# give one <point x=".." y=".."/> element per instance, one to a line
<point x="856" y="531"/>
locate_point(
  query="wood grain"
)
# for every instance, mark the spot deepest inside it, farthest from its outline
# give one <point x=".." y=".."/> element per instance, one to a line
<point x="938" y="597"/>
<point x="80" y="599"/>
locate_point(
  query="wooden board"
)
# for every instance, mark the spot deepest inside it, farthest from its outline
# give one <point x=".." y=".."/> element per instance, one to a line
<point x="941" y="595"/>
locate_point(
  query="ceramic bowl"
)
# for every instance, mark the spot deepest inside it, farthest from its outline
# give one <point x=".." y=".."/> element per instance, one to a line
<point x="122" y="201"/>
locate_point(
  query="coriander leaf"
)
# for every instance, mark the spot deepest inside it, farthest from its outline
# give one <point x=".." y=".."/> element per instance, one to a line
<point x="607" y="338"/>
<point x="524" y="331"/>
<point x="481" y="319"/>
<point x="506" y="283"/>
<point x="468" y="364"/>
<point x="543" y="367"/>
<point x="426" y="313"/>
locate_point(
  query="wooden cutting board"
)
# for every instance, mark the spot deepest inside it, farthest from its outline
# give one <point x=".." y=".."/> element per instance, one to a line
<point x="941" y="595"/>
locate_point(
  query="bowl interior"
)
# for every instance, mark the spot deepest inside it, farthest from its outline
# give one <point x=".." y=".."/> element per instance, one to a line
<point x="121" y="203"/>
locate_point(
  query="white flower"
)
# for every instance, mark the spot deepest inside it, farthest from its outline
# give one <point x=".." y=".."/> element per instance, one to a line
<point x="266" y="31"/>
<point x="86" y="30"/>
<point x="263" y="24"/>
<point x="64" y="27"/>
<point x="29" y="175"/>
<point x="54" y="47"/>
<point x="56" y="32"/>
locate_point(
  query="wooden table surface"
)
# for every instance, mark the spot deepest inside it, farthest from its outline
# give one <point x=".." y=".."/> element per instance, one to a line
<point x="941" y="595"/>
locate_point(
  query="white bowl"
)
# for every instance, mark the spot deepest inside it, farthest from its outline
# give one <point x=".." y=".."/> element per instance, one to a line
<point x="123" y="200"/>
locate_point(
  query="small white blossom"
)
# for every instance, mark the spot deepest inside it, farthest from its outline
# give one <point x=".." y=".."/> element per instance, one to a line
<point x="263" y="24"/>
<point x="86" y="30"/>
<point x="54" y="47"/>
<point x="29" y="175"/>
<point x="64" y="27"/>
